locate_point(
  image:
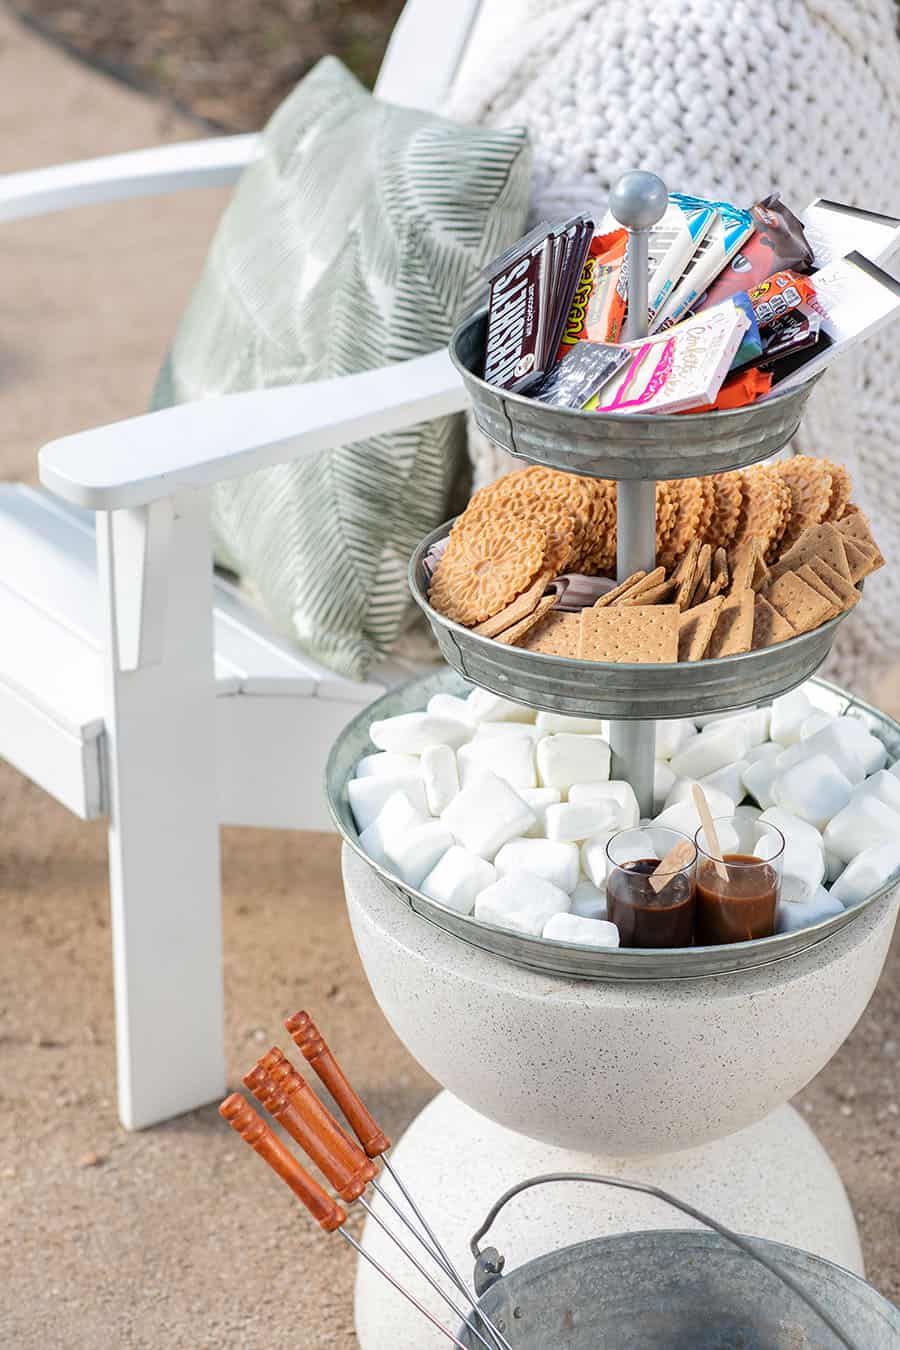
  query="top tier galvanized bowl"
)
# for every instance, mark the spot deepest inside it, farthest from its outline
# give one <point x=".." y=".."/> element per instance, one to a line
<point x="567" y="958"/>
<point x="623" y="445"/>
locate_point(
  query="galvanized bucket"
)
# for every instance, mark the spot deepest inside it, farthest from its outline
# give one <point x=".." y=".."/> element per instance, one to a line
<point x="677" y="1290"/>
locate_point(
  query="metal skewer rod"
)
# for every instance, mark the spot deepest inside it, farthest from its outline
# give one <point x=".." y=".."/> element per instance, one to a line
<point x="399" y="1287"/>
<point x="312" y="1045"/>
<point x="463" y="1317"/>
<point x="638" y="201"/>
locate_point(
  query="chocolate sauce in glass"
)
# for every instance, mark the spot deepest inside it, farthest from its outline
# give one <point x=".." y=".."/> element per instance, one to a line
<point x="741" y="908"/>
<point x="644" y="917"/>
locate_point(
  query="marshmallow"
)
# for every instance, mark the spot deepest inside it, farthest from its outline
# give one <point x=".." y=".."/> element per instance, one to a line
<point x="753" y="722"/>
<point x="413" y="852"/>
<point x="617" y="791"/>
<point x="793" y="828"/>
<point x="411" y="733"/>
<point x="815" y="789"/>
<point x="765" y="753"/>
<point x="727" y="780"/>
<point x="548" y="723"/>
<point x="760" y="776"/>
<point x="385" y="764"/>
<point x="746" y="816"/>
<point x="789" y="917"/>
<point x="817" y="721"/>
<point x="586" y="932"/>
<point x="483" y="706"/>
<point x="539" y="799"/>
<point x="494" y="729"/>
<point x="834" y="866"/>
<point x="672" y="735"/>
<point x="440" y="775"/>
<point x="564" y="759"/>
<point x="594" y="859"/>
<point x="588" y="901"/>
<point x="720" y="744"/>
<point x="368" y="795"/>
<point x="572" y="821"/>
<point x="862" y="824"/>
<point x="719" y="803"/>
<point x="803" y="864"/>
<point x="663" y="782"/>
<point x="396" y="816"/>
<point x="685" y="817"/>
<point x="509" y="757"/>
<point x="868" y="871"/>
<point x="883" y="785"/>
<point x="486" y="813"/>
<point x="846" y="742"/>
<point x="788" y="715"/>
<point x="556" y="862"/>
<point x="457" y="878"/>
<point x="448" y="705"/>
<point x="521" y="902"/>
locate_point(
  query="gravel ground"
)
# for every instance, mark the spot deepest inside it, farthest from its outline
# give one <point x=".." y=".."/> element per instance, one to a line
<point x="226" y="61"/>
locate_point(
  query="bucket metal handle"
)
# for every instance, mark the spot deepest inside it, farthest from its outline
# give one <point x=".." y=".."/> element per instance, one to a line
<point x="489" y="1263"/>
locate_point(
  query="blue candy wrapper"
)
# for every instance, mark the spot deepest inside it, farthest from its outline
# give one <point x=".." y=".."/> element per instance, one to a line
<point x="751" y="348"/>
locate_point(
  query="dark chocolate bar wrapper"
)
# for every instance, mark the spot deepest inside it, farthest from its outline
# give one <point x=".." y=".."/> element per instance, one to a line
<point x="581" y="374"/>
<point x="778" y="242"/>
<point x="516" y="313"/>
<point x="790" y="334"/>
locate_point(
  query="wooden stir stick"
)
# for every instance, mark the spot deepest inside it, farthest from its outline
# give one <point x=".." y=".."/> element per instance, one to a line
<point x="678" y="856"/>
<point x="713" y="847"/>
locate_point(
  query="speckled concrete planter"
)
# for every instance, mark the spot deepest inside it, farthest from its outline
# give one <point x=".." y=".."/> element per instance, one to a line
<point x="622" y="1069"/>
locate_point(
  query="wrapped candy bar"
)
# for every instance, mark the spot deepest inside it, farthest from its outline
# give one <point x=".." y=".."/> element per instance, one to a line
<point x="778" y="242"/>
<point x="739" y="389"/>
<point x="581" y="374"/>
<point x="730" y="229"/>
<point x="778" y="295"/>
<point x="751" y="348"/>
<point x="834" y="229"/>
<point x="598" y="308"/>
<point x="789" y="335"/>
<point x="678" y="369"/>
<point x="671" y="243"/>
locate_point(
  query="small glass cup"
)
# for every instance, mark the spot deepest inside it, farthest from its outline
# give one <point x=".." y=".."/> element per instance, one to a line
<point x="650" y="914"/>
<point x="737" y="898"/>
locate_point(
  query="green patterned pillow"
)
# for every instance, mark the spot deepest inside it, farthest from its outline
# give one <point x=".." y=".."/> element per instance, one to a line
<point x="354" y="242"/>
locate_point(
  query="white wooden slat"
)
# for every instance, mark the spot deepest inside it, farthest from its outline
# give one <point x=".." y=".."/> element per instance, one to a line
<point x="51" y="666"/>
<point x="196" y="444"/>
<point x="68" y="765"/>
<point x="140" y="173"/>
<point x="425" y="50"/>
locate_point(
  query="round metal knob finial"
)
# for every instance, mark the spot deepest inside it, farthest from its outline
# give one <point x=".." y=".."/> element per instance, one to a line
<point x="638" y="200"/>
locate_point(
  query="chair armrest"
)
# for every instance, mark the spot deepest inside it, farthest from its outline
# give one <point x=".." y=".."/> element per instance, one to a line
<point x="140" y="173"/>
<point x="144" y="459"/>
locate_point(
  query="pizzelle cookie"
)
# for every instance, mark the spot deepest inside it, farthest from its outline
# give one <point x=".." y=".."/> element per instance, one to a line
<point x="728" y="495"/>
<point x="689" y="495"/>
<point x="483" y="569"/>
<point x="762" y="508"/>
<point x="809" y="481"/>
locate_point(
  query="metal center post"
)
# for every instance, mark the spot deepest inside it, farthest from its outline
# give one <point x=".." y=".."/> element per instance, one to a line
<point x="637" y="201"/>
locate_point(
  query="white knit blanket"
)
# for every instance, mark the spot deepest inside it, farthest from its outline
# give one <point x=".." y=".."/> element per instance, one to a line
<point x="726" y="99"/>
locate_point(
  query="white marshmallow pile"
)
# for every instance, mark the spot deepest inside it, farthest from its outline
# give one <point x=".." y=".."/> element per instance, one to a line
<point x="504" y="814"/>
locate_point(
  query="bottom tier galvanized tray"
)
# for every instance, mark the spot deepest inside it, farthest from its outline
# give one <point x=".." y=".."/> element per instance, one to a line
<point x="622" y="690"/>
<point x="566" y="958"/>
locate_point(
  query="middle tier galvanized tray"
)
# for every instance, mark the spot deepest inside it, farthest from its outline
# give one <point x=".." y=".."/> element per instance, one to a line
<point x="566" y="958"/>
<point x="622" y="690"/>
<point x="623" y="445"/>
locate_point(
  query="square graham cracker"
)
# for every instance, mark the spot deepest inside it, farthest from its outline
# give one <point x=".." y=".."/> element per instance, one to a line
<point x="519" y="608"/>
<point x="769" y="626"/>
<point x="555" y="635"/>
<point x="818" y="541"/>
<point x="842" y="588"/>
<point x="733" y="632"/>
<point x="510" y="636"/>
<point x="813" y="579"/>
<point x="803" y="607"/>
<point x="695" y="628"/>
<point x="856" y="527"/>
<point x="643" y="633"/>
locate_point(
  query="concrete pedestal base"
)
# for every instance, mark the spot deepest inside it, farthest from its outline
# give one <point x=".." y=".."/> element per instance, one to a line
<point x="772" y="1179"/>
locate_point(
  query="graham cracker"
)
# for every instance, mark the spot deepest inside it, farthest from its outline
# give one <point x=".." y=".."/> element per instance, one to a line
<point x="796" y="600"/>
<point x="652" y="596"/>
<point x="819" y="541"/>
<point x="720" y="574"/>
<point x="702" y="576"/>
<point x="695" y="628"/>
<point x="519" y="609"/>
<point x="686" y="574"/>
<point x="748" y="568"/>
<point x="813" y="579"/>
<point x="843" y="589"/>
<point x="511" y="635"/>
<point x="769" y="626"/>
<point x="856" y="527"/>
<point x="860" y="559"/>
<point x="555" y="635"/>
<point x="646" y="583"/>
<point x="645" y="633"/>
<point x="733" y="632"/>
<point x="623" y="587"/>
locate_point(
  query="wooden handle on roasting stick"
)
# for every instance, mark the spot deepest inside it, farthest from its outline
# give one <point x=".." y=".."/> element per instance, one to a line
<point x="263" y="1140"/>
<point x="277" y="1085"/>
<point x="306" y="1037"/>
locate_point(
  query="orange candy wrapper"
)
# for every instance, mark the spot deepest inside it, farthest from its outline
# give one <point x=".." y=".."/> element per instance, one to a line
<point x="598" y="310"/>
<point x="741" y="388"/>
<point x="778" y="295"/>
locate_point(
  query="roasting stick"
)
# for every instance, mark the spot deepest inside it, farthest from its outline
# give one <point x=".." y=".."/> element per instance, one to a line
<point x="311" y="1043"/>
<point x="714" y="848"/>
<point x="325" y="1210"/>
<point x="278" y="1087"/>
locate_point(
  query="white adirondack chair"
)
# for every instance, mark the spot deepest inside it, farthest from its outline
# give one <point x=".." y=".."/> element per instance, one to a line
<point x="134" y="684"/>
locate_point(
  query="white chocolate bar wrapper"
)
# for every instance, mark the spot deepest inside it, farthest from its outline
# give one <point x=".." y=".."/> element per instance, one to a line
<point x="835" y="229"/>
<point x="731" y="228"/>
<point x="671" y="244"/>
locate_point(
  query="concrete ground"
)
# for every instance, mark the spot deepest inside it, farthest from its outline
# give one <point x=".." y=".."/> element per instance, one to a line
<point x="177" y="1236"/>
